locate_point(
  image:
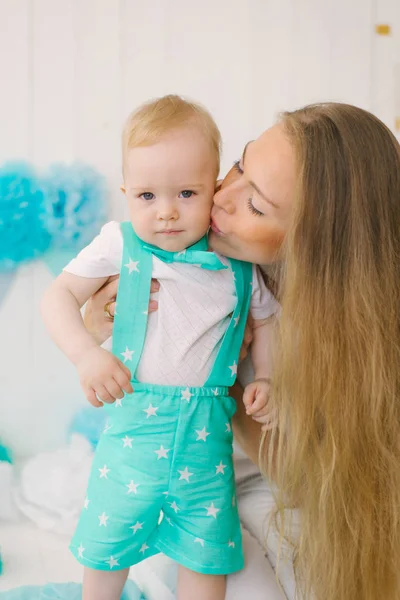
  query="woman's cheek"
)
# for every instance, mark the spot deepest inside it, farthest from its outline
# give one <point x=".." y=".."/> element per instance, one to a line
<point x="266" y="240"/>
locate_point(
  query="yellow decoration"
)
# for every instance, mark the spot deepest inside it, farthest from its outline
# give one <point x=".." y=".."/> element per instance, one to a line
<point x="397" y="123"/>
<point x="383" y="29"/>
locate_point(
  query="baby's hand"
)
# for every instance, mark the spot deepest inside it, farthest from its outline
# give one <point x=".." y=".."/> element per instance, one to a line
<point x="257" y="404"/>
<point x="103" y="377"/>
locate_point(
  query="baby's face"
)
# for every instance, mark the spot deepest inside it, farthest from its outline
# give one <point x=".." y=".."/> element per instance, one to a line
<point x="170" y="188"/>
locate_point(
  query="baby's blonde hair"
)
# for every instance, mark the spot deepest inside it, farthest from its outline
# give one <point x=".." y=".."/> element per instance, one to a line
<point x="152" y="120"/>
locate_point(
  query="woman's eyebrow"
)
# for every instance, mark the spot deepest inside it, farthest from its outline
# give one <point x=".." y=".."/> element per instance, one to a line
<point x="253" y="185"/>
<point x="245" y="150"/>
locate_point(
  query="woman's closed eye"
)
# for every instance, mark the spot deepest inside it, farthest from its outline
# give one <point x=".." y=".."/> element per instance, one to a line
<point x="250" y="205"/>
<point x="253" y="209"/>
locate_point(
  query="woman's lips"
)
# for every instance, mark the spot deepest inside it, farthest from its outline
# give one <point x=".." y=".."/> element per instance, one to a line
<point x="215" y="228"/>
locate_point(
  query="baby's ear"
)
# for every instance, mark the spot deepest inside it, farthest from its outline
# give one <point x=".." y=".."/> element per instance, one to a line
<point x="122" y="188"/>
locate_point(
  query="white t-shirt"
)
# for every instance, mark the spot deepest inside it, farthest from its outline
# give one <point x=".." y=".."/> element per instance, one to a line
<point x="195" y="305"/>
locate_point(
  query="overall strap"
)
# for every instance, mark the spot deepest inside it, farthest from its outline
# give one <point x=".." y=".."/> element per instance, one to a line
<point x="133" y="298"/>
<point x="225" y="366"/>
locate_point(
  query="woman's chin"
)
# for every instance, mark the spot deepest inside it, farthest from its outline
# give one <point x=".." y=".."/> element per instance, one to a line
<point x="220" y="243"/>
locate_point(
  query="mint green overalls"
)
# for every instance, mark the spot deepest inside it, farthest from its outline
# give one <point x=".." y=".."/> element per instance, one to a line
<point x="162" y="478"/>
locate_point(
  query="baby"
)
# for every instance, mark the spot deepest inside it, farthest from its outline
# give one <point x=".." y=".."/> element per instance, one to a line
<point x="162" y="478"/>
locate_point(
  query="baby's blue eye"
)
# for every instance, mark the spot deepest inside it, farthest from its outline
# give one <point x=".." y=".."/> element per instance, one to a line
<point x="186" y="194"/>
<point x="147" y="196"/>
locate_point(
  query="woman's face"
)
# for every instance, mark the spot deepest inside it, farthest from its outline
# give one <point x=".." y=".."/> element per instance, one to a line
<point x="252" y="208"/>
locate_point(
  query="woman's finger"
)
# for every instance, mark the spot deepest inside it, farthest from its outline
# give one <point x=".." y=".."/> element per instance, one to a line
<point x="109" y="308"/>
<point x="108" y="291"/>
<point x="153" y="306"/>
<point x="154" y="286"/>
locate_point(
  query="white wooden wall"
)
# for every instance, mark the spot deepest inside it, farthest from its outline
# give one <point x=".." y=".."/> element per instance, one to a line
<point x="71" y="70"/>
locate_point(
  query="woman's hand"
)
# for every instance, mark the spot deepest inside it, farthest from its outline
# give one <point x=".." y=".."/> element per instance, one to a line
<point x="96" y="320"/>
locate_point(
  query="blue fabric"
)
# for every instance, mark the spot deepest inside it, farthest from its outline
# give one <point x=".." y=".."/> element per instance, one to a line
<point x="167" y="439"/>
<point x="63" y="591"/>
<point x="197" y="254"/>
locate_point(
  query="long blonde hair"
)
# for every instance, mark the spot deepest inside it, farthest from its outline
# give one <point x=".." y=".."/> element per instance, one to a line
<point x="336" y="452"/>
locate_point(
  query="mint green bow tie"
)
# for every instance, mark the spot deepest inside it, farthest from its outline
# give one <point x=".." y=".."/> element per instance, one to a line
<point x="195" y="255"/>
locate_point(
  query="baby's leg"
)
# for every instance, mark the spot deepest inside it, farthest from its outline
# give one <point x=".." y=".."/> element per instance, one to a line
<point x="103" y="585"/>
<point x="196" y="586"/>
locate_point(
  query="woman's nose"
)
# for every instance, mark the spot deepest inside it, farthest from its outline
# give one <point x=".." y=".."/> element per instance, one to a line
<point x="225" y="199"/>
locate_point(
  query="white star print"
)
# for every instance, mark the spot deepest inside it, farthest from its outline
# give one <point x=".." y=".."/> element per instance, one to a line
<point x="215" y="392"/>
<point x="127" y="441"/>
<point x="185" y="474"/>
<point x="127" y="354"/>
<point x="174" y="506"/>
<point x="81" y="550"/>
<point x="112" y="562"/>
<point x="199" y="541"/>
<point x="107" y="428"/>
<point x="165" y="493"/>
<point x="186" y="395"/>
<point x="237" y="319"/>
<point x="212" y="511"/>
<point x="151" y="411"/>
<point x="132" y="487"/>
<point x="103" y="519"/>
<point x="132" y="266"/>
<point x="86" y="505"/>
<point x="220" y="468"/>
<point x="103" y="472"/>
<point x="231" y="544"/>
<point x="162" y="453"/>
<point x="168" y="521"/>
<point x="136" y="526"/>
<point x="228" y="427"/>
<point x="144" y="548"/>
<point x="181" y="253"/>
<point x="145" y="312"/>
<point x="202" y="434"/>
<point x="233" y="368"/>
<point x="118" y="402"/>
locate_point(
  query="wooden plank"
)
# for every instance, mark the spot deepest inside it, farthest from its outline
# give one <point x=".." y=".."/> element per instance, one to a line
<point x="98" y="72"/>
<point x="15" y="75"/>
<point x="54" y="91"/>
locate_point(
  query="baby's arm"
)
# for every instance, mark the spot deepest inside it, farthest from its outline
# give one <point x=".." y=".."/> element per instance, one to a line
<point x="256" y="394"/>
<point x="100" y="371"/>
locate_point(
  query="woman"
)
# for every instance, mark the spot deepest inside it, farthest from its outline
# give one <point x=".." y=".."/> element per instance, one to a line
<point x="318" y="196"/>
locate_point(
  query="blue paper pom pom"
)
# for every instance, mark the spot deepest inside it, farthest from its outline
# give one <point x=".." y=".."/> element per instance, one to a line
<point x="74" y="205"/>
<point x="89" y="422"/>
<point x="23" y="234"/>
<point x="5" y="454"/>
